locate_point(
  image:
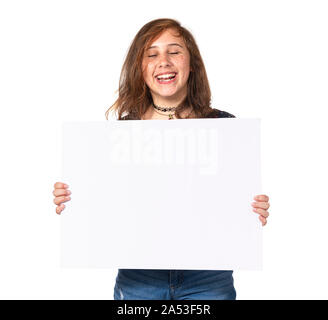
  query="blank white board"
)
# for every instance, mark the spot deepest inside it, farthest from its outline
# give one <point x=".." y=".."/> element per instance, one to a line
<point x="158" y="194"/>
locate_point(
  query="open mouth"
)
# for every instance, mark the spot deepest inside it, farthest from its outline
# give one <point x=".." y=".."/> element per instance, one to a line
<point x="166" y="78"/>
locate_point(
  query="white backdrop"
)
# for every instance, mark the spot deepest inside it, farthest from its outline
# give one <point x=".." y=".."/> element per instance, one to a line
<point x="61" y="60"/>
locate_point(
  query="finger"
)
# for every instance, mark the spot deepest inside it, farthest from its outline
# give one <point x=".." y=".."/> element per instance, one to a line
<point x="61" y="192"/>
<point x="263" y="205"/>
<point x="261" y="197"/>
<point x="263" y="220"/>
<point x="59" y="200"/>
<point x="60" y="185"/>
<point x="262" y="212"/>
<point x="60" y="208"/>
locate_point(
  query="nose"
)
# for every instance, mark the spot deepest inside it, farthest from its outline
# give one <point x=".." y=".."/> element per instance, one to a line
<point x="164" y="61"/>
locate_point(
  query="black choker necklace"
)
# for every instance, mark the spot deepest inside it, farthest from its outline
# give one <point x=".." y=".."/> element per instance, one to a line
<point x="163" y="109"/>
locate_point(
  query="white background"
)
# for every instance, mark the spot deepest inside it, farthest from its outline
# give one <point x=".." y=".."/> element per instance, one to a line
<point x="61" y="60"/>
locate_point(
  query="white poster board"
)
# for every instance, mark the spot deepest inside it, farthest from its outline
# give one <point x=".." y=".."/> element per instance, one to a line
<point x="158" y="194"/>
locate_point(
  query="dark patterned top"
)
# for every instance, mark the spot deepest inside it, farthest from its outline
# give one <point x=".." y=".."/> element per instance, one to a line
<point x="213" y="114"/>
<point x="219" y="114"/>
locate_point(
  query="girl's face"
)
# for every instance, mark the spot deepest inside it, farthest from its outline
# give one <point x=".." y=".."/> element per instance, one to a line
<point x="166" y="67"/>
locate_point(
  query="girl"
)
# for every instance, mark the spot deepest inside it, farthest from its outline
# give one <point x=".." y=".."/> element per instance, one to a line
<point x="164" y="77"/>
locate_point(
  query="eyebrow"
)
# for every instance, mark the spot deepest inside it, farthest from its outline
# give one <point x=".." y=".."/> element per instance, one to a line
<point x="170" y="44"/>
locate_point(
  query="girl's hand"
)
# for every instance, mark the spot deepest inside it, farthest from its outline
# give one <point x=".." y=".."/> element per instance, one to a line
<point x="261" y="206"/>
<point x="61" y="194"/>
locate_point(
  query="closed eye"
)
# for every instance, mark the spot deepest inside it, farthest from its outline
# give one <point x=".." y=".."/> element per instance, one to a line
<point x="154" y="55"/>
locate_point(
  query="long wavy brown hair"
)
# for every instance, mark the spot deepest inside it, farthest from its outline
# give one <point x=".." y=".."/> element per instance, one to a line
<point x="134" y="95"/>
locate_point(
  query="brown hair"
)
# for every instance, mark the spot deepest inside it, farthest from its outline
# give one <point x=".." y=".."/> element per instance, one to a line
<point x="134" y="95"/>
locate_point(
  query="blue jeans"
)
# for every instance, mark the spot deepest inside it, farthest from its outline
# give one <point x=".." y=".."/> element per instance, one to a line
<point x="148" y="284"/>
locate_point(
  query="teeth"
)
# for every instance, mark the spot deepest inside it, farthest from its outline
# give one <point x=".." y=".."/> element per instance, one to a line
<point x="166" y="76"/>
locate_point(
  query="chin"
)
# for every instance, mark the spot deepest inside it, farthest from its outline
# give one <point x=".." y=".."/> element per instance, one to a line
<point x="167" y="94"/>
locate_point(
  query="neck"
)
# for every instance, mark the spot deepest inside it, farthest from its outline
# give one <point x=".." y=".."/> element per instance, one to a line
<point x="166" y="103"/>
<point x="170" y="102"/>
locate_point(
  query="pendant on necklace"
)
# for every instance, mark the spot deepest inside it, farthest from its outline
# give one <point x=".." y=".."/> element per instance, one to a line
<point x="170" y="117"/>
